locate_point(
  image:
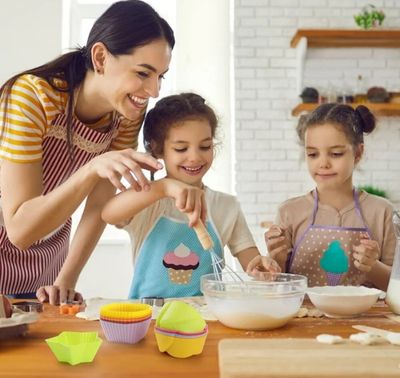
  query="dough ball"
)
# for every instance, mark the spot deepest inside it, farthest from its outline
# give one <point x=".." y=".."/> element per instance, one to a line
<point x="329" y="339"/>
<point x="364" y="338"/>
<point x="393" y="338"/>
<point x="303" y="311"/>
<point x="315" y="313"/>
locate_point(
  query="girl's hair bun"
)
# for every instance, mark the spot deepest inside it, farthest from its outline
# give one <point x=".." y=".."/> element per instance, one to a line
<point x="365" y="118"/>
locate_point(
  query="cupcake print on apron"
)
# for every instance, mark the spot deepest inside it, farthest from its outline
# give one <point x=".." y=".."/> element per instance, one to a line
<point x="324" y="253"/>
<point x="171" y="261"/>
<point x="335" y="263"/>
<point x="180" y="264"/>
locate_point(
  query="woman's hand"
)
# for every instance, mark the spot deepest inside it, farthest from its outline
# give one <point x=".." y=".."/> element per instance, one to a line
<point x="58" y="294"/>
<point x="188" y="199"/>
<point x="261" y="268"/>
<point x="366" y="254"/>
<point x="127" y="164"/>
<point x="277" y="244"/>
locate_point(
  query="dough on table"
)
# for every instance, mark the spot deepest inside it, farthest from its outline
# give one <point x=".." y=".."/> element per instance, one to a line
<point x="324" y="338"/>
<point x="303" y="311"/>
<point x="393" y="338"/>
<point x="314" y="313"/>
<point x="364" y="338"/>
<point x="310" y="312"/>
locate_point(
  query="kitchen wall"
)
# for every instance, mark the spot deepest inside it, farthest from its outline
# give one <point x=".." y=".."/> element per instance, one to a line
<point x="269" y="165"/>
<point x="26" y="43"/>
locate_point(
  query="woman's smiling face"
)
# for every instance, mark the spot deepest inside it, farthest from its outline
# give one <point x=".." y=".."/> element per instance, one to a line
<point x="128" y="81"/>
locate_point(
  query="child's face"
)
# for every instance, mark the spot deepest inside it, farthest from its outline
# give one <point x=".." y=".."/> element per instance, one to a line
<point x="330" y="157"/>
<point x="188" y="151"/>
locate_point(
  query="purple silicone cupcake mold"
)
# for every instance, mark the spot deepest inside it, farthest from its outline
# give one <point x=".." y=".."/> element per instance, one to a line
<point x="125" y="333"/>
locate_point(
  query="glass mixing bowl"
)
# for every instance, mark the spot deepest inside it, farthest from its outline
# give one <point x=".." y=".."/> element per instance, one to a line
<point x="252" y="304"/>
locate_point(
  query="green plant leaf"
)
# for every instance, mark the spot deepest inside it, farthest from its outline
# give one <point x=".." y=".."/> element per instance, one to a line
<point x="373" y="190"/>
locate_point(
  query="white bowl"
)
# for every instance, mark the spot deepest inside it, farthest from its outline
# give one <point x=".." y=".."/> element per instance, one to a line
<point x="253" y="304"/>
<point x="343" y="301"/>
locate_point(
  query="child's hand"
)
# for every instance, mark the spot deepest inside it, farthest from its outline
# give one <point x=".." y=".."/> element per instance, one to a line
<point x="276" y="242"/>
<point x="188" y="199"/>
<point x="366" y="254"/>
<point x="261" y="267"/>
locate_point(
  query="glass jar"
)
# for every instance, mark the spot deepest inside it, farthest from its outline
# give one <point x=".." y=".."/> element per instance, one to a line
<point x="393" y="291"/>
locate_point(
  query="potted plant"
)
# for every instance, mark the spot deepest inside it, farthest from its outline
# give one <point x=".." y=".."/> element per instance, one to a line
<point x="369" y="17"/>
<point x="373" y="190"/>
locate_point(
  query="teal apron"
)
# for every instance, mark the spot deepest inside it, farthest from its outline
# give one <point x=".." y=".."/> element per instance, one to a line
<point x="172" y="260"/>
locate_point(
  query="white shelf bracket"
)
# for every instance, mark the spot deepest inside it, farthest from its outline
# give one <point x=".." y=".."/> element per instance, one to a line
<point x="301" y="52"/>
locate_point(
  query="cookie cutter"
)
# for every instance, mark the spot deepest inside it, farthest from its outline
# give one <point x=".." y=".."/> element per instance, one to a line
<point x="153" y="301"/>
<point x="29" y="306"/>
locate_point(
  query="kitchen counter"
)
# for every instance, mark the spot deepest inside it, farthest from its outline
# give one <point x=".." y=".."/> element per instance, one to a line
<point x="30" y="355"/>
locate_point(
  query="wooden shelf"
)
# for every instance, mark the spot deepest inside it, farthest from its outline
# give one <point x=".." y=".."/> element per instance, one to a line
<point x="319" y="38"/>
<point x="384" y="109"/>
<point x="348" y="38"/>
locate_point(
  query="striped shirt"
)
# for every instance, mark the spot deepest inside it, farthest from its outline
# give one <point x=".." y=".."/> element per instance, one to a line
<point x="35" y="130"/>
<point x="31" y="109"/>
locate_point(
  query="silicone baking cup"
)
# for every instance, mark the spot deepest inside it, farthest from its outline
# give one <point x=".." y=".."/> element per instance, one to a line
<point x="75" y="347"/>
<point x="126" y="323"/>
<point x="180" y="344"/>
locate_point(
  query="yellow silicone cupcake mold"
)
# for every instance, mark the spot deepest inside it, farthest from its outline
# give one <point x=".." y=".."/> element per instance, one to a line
<point x="125" y="311"/>
<point x="179" y="345"/>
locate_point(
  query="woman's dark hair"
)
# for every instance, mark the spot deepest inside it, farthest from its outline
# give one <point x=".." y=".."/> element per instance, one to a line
<point x="124" y="26"/>
<point x="353" y="122"/>
<point x="171" y="111"/>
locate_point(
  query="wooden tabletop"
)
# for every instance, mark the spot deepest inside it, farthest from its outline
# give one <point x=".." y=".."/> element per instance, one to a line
<point x="30" y="355"/>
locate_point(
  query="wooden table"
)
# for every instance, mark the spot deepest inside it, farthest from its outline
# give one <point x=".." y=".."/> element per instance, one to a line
<point x="30" y="355"/>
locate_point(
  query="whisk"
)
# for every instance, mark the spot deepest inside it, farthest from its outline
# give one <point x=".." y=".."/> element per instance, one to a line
<point x="217" y="262"/>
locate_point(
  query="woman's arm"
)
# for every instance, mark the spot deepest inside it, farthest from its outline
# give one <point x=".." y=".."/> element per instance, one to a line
<point x="126" y="205"/>
<point x="29" y="215"/>
<point x="85" y="239"/>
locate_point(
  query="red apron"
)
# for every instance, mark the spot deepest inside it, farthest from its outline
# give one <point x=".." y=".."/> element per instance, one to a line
<point x="25" y="271"/>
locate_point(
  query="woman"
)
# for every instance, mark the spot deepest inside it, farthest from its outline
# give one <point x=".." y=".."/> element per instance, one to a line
<point x="68" y="133"/>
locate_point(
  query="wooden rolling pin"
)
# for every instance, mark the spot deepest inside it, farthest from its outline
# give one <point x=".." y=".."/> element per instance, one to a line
<point x="203" y="235"/>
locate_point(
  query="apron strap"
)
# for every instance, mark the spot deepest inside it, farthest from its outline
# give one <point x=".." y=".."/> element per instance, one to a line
<point x="358" y="210"/>
<point x="292" y="254"/>
<point x="357" y="203"/>
<point x="315" y="209"/>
